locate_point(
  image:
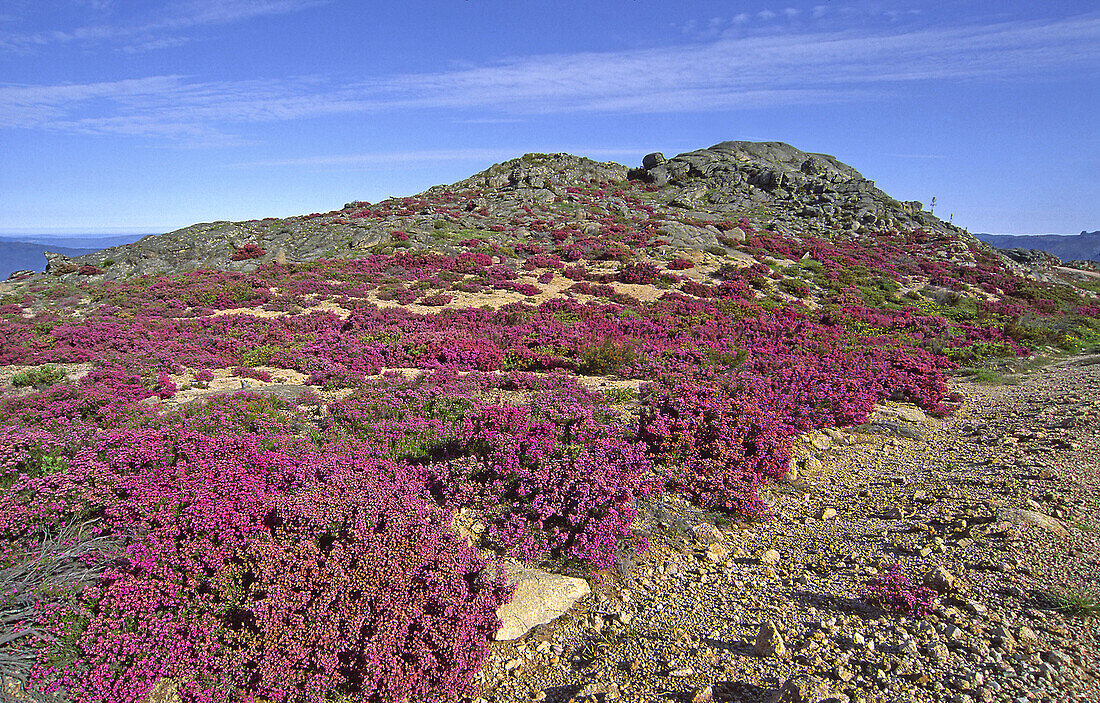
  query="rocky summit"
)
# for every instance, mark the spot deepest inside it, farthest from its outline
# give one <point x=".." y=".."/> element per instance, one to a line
<point x="770" y="184"/>
<point x="730" y="426"/>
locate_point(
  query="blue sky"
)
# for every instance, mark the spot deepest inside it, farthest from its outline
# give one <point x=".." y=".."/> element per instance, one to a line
<point x="148" y="115"/>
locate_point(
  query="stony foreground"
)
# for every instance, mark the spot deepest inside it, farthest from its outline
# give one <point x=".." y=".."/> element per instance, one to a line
<point x="994" y="506"/>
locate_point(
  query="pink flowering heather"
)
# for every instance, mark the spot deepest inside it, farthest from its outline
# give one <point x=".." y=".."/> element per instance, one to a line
<point x="892" y="590"/>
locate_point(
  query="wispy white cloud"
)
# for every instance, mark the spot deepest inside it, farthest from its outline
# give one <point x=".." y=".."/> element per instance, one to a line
<point x="782" y="68"/>
<point x="167" y="29"/>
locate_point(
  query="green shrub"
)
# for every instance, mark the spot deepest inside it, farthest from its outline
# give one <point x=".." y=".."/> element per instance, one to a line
<point x="258" y="356"/>
<point x="606" y="357"/>
<point x="42" y="376"/>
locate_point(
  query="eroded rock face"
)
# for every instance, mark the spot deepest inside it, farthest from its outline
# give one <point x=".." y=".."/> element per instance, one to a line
<point x="817" y="191"/>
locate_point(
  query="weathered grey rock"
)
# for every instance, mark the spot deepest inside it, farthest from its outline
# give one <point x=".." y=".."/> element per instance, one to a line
<point x="286" y="391"/>
<point x="911" y="413"/>
<point x="688" y="236"/>
<point x="1030" y="518"/>
<point x="769" y="643"/>
<point x="888" y="428"/>
<point x="716" y="183"/>
<point x="540" y="597"/>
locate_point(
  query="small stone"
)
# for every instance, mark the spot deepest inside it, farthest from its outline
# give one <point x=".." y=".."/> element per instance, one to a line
<point x="940" y="579"/>
<point x="792" y="470"/>
<point x="975" y="608"/>
<point x="707" y="533"/>
<point x="1025" y="635"/>
<point x="1058" y="659"/>
<point x="911" y="413"/>
<point x="953" y="633"/>
<point x="938" y="652"/>
<point x="682" y="672"/>
<point x="812" y="465"/>
<point x="717" y="553"/>
<point x="770" y="557"/>
<point x="769" y="643"/>
<point x="827" y="514"/>
<point x="1026" y="519"/>
<point x="539" y="598"/>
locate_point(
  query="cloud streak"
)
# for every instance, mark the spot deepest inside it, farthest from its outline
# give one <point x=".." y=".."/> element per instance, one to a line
<point x="163" y="32"/>
<point x="727" y="74"/>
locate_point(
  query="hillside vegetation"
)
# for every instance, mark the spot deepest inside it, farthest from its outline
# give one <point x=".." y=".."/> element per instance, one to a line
<point x="531" y="354"/>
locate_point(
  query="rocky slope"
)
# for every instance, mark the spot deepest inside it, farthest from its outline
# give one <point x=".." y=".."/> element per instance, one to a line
<point x="769" y="184"/>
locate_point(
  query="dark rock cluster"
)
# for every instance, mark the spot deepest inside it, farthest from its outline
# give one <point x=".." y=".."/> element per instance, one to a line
<point x="790" y="187"/>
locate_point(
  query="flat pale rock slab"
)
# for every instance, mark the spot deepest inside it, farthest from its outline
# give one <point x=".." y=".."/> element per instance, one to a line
<point x="1030" y="518"/>
<point x="539" y="598"/>
<point x="911" y="413"/>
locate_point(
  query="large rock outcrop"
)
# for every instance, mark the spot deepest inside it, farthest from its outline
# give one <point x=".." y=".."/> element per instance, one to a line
<point x="790" y="188"/>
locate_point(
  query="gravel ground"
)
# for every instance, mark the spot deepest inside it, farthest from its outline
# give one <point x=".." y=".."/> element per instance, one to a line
<point x="997" y="507"/>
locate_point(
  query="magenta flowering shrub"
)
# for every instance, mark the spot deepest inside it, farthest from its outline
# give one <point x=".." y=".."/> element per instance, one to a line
<point x="248" y="251"/>
<point x="299" y="549"/>
<point x="249" y="372"/>
<point x="892" y="590"/>
<point x="557" y="488"/>
<point x="435" y="300"/>
<point x="254" y="573"/>
<point x="644" y="273"/>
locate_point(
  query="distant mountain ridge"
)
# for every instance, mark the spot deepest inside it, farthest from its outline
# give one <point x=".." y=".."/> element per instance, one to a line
<point x="1067" y="247"/>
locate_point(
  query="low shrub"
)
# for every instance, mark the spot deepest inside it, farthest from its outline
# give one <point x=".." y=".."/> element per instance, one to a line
<point x="643" y="273"/>
<point x="606" y="357"/>
<point x="892" y="590"/>
<point x="248" y="251"/>
<point x="253" y="572"/>
<point x="46" y="375"/>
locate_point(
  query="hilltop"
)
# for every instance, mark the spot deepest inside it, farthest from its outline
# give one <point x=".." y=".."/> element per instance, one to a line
<point x="731" y="425"/>
<point x="770" y="185"/>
